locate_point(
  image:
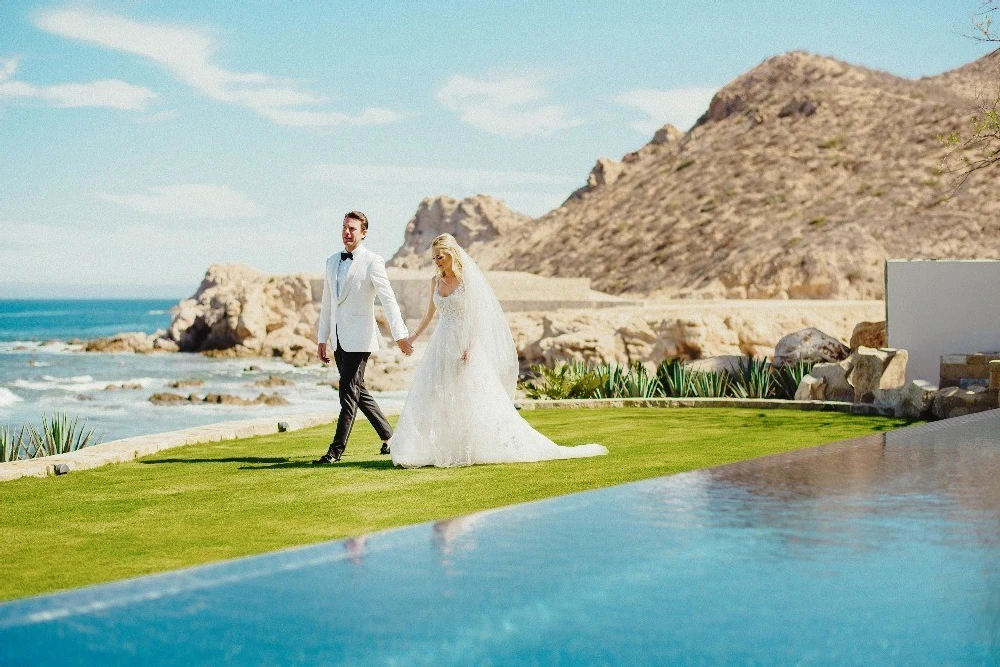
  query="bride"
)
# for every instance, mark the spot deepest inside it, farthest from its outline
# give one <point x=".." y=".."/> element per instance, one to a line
<point x="460" y="410"/>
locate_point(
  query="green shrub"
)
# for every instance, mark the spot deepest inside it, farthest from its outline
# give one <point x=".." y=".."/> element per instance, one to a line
<point x="575" y="380"/>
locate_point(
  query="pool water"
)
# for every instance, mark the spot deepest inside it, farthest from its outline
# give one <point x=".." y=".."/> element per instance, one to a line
<point x="878" y="550"/>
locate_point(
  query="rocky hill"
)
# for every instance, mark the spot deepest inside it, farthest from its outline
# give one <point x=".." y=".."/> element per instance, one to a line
<point x="801" y="178"/>
<point x="475" y="222"/>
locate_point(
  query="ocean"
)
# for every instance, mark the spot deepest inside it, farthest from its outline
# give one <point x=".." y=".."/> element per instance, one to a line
<point x="41" y="373"/>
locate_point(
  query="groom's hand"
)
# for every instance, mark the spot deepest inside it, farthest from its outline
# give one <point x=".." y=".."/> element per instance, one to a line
<point x="322" y="353"/>
<point x="405" y="345"/>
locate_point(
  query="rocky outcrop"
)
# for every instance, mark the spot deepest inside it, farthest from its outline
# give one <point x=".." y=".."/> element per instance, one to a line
<point x="167" y="398"/>
<point x="240" y="311"/>
<point x="480" y="224"/>
<point x="133" y="341"/>
<point x="692" y="330"/>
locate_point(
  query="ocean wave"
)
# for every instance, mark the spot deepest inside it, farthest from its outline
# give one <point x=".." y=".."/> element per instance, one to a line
<point x="7" y="397"/>
<point x="78" y="379"/>
<point x="76" y="383"/>
<point x="158" y="312"/>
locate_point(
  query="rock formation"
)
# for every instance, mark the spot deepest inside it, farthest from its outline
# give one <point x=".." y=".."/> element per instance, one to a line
<point x="241" y="311"/>
<point x="479" y="224"/>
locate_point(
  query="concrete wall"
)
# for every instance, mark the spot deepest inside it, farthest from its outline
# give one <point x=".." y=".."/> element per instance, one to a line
<point x="940" y="307"/>
<point x="516" y="290"/>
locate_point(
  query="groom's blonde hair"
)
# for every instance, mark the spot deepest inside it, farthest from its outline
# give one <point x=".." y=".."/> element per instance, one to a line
<point x="446" y="243"/>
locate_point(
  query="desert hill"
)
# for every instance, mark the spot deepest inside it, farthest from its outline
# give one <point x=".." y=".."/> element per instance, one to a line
<point x="800" y="179"/>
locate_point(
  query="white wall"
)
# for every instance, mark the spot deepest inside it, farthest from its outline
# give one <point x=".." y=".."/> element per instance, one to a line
<point x="937" y="307"/>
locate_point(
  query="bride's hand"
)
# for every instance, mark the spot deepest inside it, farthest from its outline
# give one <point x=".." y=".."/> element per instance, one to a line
<point x="465" y="356"/>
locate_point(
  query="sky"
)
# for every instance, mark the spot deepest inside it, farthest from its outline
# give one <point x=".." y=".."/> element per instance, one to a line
<point x="142" y="141"/>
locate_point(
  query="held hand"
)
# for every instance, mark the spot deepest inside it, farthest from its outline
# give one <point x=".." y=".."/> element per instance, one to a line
<point x="405" y="346"/>
<point x="322" y="353"/>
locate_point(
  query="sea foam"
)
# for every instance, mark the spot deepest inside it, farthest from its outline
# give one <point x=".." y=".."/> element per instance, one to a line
<point x="7" y="397"/>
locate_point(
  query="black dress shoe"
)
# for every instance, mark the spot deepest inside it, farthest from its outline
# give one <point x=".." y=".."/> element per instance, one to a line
<point x="385" y="448"/>
<point x="326" y="458"/>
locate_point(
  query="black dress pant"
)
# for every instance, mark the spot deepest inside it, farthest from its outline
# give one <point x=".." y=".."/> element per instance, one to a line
<point x="354" y="395"/>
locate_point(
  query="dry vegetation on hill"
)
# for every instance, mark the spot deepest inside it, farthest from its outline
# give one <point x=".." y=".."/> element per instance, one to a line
<point x="802" y="177"/>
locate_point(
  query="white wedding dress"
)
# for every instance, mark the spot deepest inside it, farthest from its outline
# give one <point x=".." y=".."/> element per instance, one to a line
<point x="460" y="413"/>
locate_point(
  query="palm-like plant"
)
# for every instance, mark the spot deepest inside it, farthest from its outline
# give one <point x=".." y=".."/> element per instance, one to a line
<point x="753" y="378"/>
<point x="59" y="435"/>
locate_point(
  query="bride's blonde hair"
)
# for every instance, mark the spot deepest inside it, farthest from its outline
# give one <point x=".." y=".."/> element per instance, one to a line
<point x="446" y="243"/>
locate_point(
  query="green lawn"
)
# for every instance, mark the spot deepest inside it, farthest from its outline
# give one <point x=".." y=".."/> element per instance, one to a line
<point x="216" y="501"/>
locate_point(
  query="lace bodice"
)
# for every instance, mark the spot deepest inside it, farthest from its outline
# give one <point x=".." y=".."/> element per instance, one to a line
<point x="451" y="307"/>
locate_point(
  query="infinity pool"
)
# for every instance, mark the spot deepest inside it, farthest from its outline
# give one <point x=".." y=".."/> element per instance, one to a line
<point x="878" y="550"/>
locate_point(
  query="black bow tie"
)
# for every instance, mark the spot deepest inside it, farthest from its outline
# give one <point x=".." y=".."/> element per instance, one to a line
<point x="346" y="255"/>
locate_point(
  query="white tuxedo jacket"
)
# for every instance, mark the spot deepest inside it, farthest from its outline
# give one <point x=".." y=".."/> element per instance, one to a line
<point x="351" y="316"/>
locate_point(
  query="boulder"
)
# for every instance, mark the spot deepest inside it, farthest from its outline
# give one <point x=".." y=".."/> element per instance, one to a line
<point x="187" y="382"/>
<point x="124" y="385"/>
<point x="728" y="363"/>
<point x="869" y="334"/>
<point x="666" y="135"/>
<point x="271" y="399"/>
<point x="917" y="400"/>
<point x="810" y="389"/>
<point x="166" y="397"/>
<point x="273" y="381"/>
<point x="894" y="373"/>
<point x="809" y="345"/>
<point x="132" y="341"/>
<point x="866" y="374"/>
<point x="834" y="376"/>
<point x="955" y="401"/>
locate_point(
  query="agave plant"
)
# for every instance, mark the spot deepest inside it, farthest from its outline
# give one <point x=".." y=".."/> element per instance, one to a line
<point x="789" y="376"/>
<point x="11" y="443"/>
<point x="58" y="436"/>
<point x="709" y="384"/>
<point x="753" y="378"/>
<point x="674" y="378"/>
<point x="632" y="381"/>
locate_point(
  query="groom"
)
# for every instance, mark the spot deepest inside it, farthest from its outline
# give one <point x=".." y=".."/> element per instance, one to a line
<point x="353" y="278"/>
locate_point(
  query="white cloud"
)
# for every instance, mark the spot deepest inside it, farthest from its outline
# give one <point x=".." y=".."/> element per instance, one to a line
<point x="679" y="106"/>
<point x="192" y="200"/>
<point x="187" y="53"/>
<point x="107" y="93"/>
<point x="512" y="107"/>
<point x="433" y="178"/>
